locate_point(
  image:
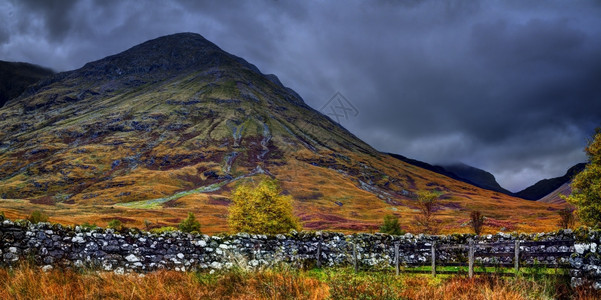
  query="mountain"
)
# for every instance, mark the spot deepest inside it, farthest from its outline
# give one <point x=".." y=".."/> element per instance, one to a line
<point x="554" y="197"/>
<point x="433" y="168"/>
<point x="15" y="77"/>
<point x="459" y="171"/>
<point x="477" y="176"/>
<point x="170" y="126"/>
<point x="547" y="186"/>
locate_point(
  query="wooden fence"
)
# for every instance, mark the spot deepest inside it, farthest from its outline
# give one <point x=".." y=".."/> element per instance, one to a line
<point x="473" y="250"/>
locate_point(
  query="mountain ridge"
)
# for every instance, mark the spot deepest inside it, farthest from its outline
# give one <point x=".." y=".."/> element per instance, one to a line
<point x="544" y="187"/>
<point x="535" y="192"/>
<point x="479" y="177"/>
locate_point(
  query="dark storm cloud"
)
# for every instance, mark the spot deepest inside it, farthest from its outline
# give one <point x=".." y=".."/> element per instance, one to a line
<point x="513" y="87"/>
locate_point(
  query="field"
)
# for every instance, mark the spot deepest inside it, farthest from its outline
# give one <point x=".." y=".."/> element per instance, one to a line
<point x="324" y="199"/>
<point x="27" y="282"/>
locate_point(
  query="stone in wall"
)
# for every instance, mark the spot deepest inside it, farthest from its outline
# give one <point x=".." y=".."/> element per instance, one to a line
<point x="53" y="245"/>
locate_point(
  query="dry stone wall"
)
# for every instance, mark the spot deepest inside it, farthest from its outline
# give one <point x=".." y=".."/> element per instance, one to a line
<point x="53" y="245"/>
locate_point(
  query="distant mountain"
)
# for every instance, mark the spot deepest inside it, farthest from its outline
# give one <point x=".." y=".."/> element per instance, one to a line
<point x="427" y="166"/>
<point x="479" y="177"/>
<point x="554" y="197"/>
<point x="15" y="77"/>
<point x="547" y="186"/>
<point x="461" y="172"/>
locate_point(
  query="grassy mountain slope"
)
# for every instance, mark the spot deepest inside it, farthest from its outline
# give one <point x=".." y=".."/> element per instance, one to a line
<point x="555" y="196"/>
<point x="173" y="124"/>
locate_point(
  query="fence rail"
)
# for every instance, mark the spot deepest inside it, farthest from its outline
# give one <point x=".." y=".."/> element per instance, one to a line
<point x="519" y="251"/>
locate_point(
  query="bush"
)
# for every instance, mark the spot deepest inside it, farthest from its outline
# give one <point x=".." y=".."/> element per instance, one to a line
<point x="391" y="226"/>
<point x="566" y="218"/>
<point x="262" y="209"/>
<point x="427" y="203"/>
<point x="89" y="226"/>
<point x="163" y="229"/>
<point x="37" y="217"/>
<point x="477" y="221"/>
<point x="115" y="224"/>
<point x="190" y="224"/>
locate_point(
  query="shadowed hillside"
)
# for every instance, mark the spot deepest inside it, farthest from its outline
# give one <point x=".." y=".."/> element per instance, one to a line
<point x="15" y="77"/>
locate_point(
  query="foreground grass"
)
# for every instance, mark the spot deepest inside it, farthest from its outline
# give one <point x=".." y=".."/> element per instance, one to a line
<point x="27" y="282"/>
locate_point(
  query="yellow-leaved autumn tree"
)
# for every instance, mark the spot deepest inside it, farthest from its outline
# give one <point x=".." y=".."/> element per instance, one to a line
<point x="261" y="209"/>
<point x="586" y="186"/>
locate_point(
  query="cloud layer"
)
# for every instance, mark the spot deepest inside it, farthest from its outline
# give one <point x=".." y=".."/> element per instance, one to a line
<point x="512" y="87"/>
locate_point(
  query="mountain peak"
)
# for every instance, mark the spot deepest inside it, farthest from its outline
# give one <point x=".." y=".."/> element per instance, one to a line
<point x="172" y="53"/>
<point x="163" y="59"/>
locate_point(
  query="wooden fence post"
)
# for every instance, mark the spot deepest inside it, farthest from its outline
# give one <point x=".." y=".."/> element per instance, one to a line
<point x="319" y="253"/>
<point x="434" y="258"/>
<point x="471" y="258"/>
<point x="516" y="259"/>
<point x="396" y="258"/>
<point x="355" y="257"/>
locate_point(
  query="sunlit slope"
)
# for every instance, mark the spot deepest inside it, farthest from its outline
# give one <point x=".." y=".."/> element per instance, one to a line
<point x="171" y="125"/>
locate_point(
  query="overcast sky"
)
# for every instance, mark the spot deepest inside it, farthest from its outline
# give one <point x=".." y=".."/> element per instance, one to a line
<point x="512" y="87"/>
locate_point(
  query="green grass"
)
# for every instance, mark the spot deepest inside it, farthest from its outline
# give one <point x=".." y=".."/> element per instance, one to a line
<point x="156" y="203"/>
<point x="489" y="270"/>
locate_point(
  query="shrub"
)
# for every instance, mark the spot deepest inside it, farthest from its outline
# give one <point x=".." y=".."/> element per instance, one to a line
<point x="89" y="226"/>
<point x="427" y="202"/>
<point x="147" y="225"/>
<point x="190" y="224"/>
<point x="37" y="217"/>
<point x="115" y="224"/>
<point x="261" y="209"/>
<point x="391" y="226"/>
<point x="477" y="221"/>
<point x="163" y="229"/>
<point x="566" y="218"/>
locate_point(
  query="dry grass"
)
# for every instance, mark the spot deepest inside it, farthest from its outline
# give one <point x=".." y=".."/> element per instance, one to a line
<point x="26" y="282"/>
<point x="324" y="199"/>
<point x="30" y="283"/>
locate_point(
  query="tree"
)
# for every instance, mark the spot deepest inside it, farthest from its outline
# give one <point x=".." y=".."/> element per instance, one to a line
<point x="427" y="203"/>
<point x="566" y="218"/>
<point x="147" y="225"/>
<point x="391" y="226"/>
<point x="37" y="217"/>
<point x="261" y="209"/>
<point x="190" y="224"/>
<point x="586" y="186"/>
<point x="115" y="224"/>
<point x="477" y="221"/>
